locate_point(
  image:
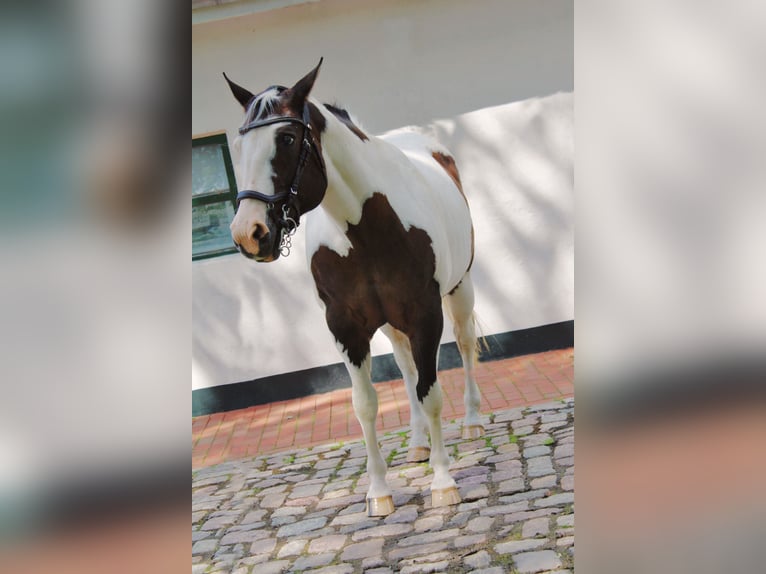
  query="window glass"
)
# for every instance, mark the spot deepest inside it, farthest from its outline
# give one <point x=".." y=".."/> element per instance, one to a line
<point x="210" y="226"/>
<point x="208" y="170"/>
<point x="213" y="196"/>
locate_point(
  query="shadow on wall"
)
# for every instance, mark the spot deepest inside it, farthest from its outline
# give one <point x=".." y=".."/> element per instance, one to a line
<point x="251" y="320"/>
<point x="516" y="164"/>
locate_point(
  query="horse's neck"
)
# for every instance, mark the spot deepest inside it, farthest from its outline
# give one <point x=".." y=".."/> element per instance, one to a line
<point x="351" y="169"/>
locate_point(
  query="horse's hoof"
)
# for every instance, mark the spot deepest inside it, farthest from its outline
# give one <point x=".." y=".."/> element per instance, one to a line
<point x="418" y="454"/>
<point x="381" y="506"/>
<point x="445" y="497"/>
<point x="473" y="431"/>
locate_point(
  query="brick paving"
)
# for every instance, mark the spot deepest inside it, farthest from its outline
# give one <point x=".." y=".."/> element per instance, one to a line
<point x="302" y="509"/>
<point x="318" y="419"/>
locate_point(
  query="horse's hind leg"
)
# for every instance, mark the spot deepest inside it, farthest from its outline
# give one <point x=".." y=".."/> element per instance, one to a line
<point x="365" y="401"/>
<point x="459" y="306"/>
<point x="425" y="349"/>
<point x="419" y="450"/>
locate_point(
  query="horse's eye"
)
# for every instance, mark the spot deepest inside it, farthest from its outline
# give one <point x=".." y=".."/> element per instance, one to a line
<point x="287" y="139"/>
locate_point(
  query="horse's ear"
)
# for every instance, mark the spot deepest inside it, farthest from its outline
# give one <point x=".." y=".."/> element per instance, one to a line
<point x="243" y="96"/>
<point x="300" y="91"/>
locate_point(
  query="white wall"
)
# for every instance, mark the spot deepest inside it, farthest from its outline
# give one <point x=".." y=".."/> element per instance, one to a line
<point x="393" y="64"/>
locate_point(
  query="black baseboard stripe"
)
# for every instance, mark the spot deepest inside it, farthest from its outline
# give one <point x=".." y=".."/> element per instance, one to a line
<point x="331" y="377"/>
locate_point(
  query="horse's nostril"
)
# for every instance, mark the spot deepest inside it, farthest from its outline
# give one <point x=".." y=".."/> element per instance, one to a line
<point x="260" y="231"/>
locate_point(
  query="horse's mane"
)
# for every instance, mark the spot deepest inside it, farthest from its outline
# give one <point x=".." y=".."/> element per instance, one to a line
<point x="266" y="103"/>
<point x="346" y="118"/>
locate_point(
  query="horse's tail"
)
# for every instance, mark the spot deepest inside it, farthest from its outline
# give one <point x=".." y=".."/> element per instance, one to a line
<point x="481" y="339"/>
<point x="480" y="342"/>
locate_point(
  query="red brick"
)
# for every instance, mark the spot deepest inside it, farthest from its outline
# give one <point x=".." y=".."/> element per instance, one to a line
<point x="319" y="419"/>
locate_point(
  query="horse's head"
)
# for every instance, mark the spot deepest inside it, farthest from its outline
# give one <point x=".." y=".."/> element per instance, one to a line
<point x="280" y="167"/>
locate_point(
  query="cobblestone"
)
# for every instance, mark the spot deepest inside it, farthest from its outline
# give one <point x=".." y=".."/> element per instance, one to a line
<point x="292" y="548"/>
<point x="327" y="543"/>
<point x="534" y="451"/>
<point x="535" y="527"/>
<point x="314" y="561"/>
<point x="556" y="499"/>
<point x="480" y="524"/>
<point x="204" y="546"/>
<point x="417" y="550"/>
<point x="469" y="540"/>
<point x="381" y="531"/>
<point x="479" y="559"/>
<point x="536" y="561"/>
<point x="363" y="549"/>
<point x="543" y="482"/>
<point x="539" y="466"/>
<point x="302" y="527"/>
<point x="263" y="516"/>
<point x="516" y="546"/>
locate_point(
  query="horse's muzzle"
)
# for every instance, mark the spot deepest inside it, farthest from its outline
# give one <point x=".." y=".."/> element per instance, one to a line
<point x="262" y="245"/>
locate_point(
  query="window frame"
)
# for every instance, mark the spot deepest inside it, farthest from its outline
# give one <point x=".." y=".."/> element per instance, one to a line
<point x="230" y="195"/>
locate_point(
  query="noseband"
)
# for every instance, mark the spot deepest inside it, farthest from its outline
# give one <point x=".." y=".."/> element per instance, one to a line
<point x="287" y="224"/>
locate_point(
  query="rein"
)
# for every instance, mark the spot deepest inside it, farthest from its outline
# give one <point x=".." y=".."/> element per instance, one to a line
<point x="287" y="225"/>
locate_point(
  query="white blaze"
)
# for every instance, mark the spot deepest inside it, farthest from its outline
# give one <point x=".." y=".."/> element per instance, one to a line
<point x="254" y="153"/>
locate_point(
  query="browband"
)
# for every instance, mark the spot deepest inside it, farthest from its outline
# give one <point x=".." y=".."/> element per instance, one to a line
<point x="277" y="120"/>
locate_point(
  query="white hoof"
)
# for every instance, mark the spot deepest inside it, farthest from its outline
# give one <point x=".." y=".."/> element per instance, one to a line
<point x="445" y="497"/>
<point x="380" y="506"/>
<point x="473" y="431"/>
<point x="418" y="454"/>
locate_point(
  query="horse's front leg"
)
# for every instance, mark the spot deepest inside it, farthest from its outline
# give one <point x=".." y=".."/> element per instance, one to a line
<point x="419" y="449"/>
<point x="365" y="401"/>
<point x="425" y="350"/>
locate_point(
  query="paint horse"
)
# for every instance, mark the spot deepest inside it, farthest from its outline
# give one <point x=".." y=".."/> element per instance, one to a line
<point x="389" y="238"/>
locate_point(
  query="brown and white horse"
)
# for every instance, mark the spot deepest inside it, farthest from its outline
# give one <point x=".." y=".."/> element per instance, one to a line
<point x="389" y="239"/>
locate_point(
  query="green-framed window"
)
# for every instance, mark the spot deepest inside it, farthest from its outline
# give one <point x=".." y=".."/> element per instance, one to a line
<point x="214" y="192"/>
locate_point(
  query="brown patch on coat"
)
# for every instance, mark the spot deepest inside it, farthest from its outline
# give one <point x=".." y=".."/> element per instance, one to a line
<point x="386" y="277"/>
<point x="343" y="116"/>
<point x="312" y="186"/>
<point x="448" y="164"/>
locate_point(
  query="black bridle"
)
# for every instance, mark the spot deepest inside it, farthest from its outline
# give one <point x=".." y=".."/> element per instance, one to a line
<point x="287" y="224"/>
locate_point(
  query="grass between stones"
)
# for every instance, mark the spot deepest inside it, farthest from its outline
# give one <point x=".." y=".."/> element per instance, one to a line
<point x="506" y="561"/>
<point x="567" y="560"/>
<point x="515" y="533"/>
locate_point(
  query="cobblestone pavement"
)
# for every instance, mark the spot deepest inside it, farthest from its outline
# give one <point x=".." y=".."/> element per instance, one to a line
<point x="303" y="510"/>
